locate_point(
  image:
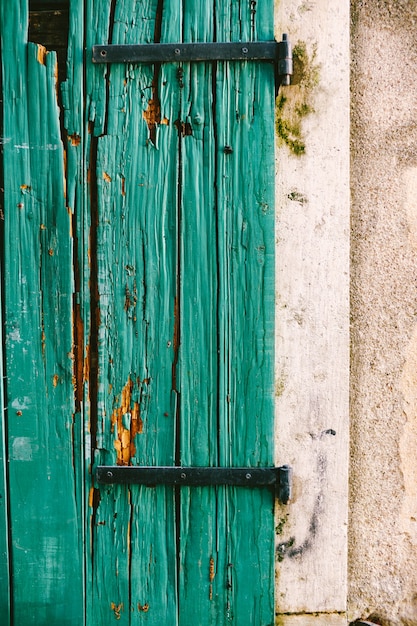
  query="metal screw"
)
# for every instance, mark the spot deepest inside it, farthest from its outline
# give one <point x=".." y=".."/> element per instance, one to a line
<point x="183" y="475"/>
<point x="245" y="50"/>
<point x="103" y="53"/>
<point x="228" y="150"/>
<point x="110" y="474"/>
<point x="177" y="51"/>
<point x="248" y="476"/>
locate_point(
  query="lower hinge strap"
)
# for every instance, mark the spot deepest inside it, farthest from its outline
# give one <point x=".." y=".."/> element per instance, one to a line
<point x="277" y="477"/>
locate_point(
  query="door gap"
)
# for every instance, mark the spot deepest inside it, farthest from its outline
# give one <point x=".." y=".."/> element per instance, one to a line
<point x="92" y="353"/>
<point x="49" y="26"/>
<point x="177" y="342"/>
<point x="218" y="272"/>
<point x="108" y="68"/>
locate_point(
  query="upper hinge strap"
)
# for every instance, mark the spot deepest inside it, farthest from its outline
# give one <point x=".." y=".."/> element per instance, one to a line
<point x="279" y="53"/>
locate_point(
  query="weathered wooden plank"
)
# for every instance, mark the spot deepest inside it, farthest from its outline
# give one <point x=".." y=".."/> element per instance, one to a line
<point x="4" y="506"/>
<point x="245" y="181"/>
<point x="227" y="539"/>
<point x="199" y="599"/>
<point x="44" y="516"/>
<point x="135" y="175"/>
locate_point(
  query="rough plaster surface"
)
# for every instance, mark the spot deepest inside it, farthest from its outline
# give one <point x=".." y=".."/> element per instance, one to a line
<point x="383" y="472"/>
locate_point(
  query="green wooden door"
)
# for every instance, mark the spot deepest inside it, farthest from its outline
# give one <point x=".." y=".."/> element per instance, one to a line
<point x="138" y="319"/>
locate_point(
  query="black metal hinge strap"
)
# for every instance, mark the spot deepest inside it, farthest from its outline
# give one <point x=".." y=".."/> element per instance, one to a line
<point x="277" y="477"/>
<point x="278" y="52"/>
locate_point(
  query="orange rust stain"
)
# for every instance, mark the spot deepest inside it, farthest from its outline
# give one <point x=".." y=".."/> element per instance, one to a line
<point x="42" y="227"/>
<point x="79" y="363"/>
<point x="130" y="297"/>
<point x="86" y="368"/>
<point x="74" y="139"/>
<point x="144" y="608"/>
<point x="137" y="422"/>
<point x="64" y="180"/>
<point x="212" y="574"/>
<point x="124" y="444"/>
<point x="184" y="128"/>
<point x="165" y="121"/>
<point x="152" y="115"/>
<point x="55" y="380"/>
<point x="51" y="252"/>
<point x="106" y="177"/>
<point x="41" y="56"/>
<point x="56" y="80"/>
<point x="123" y="186"/>
<point x="117" y="609"/>
<point x="94" y="497"/>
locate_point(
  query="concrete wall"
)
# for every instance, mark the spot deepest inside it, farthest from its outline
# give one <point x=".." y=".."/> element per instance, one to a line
<point x="312" y="296"/>
<point x="316" y="583"/>
<point x="383" y="471"/>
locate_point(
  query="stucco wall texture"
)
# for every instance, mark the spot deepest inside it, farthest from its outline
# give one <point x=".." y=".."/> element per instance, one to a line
<point x="383" y="471"/>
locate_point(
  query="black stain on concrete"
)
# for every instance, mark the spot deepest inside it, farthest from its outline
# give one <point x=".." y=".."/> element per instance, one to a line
<point x="292" y="549"/>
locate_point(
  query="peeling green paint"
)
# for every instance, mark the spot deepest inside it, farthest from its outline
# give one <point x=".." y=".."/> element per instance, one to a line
<point x="294" y="103"/>
<point x="139" y="318"/>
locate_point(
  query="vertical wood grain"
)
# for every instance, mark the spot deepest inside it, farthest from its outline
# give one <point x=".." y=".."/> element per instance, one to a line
<point x="135" y="176"/>
<point x="44" y="514"/>
<point x="227" y="538"/>
<point x="4" y="505"/>
<point x="199" y="601"/>
<point x="245" y="180"/>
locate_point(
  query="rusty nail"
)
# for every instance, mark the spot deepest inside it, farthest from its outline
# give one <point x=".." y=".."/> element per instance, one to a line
<point x="228" y="149"/>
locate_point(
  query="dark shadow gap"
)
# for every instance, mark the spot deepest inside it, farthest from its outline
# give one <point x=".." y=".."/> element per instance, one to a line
<point x="49" y="26"/>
